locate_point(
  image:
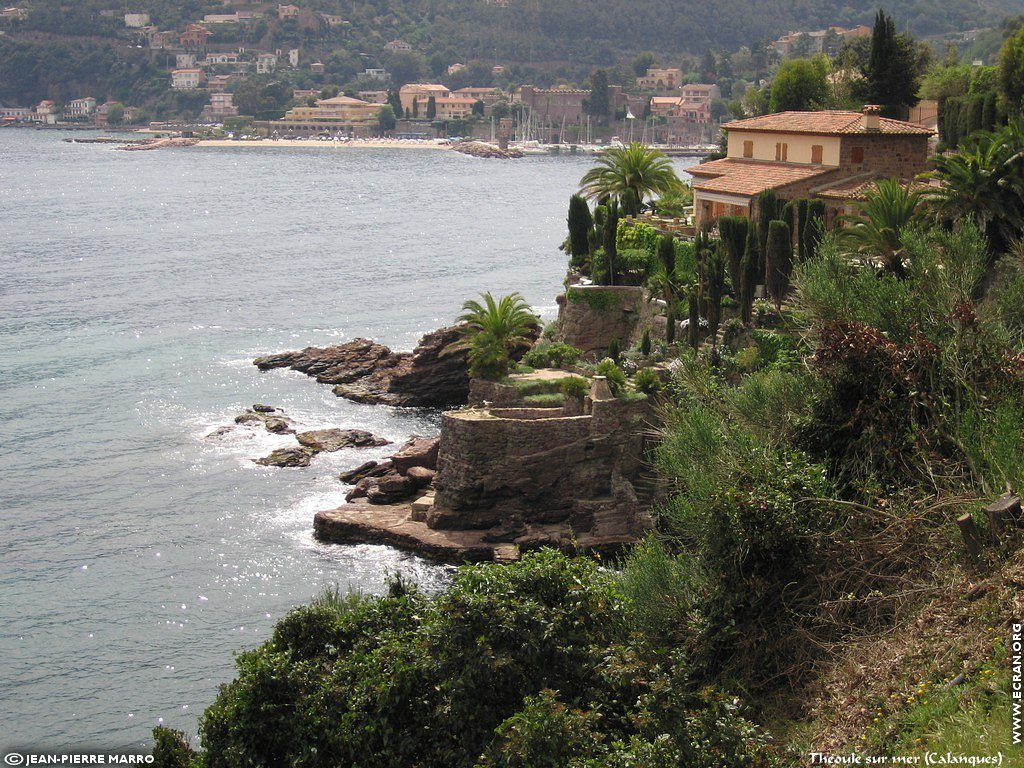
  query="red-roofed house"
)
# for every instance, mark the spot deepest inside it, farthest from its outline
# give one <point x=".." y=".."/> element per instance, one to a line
<point x="832" y="155"/>
<point x="194" y="36"/>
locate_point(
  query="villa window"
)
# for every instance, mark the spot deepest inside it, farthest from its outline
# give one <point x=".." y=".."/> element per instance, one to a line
<point x="857" y="155"/>
<point x="781" y="151"/>
<point x="817" y="153"/>
<point x="748" y="149"/>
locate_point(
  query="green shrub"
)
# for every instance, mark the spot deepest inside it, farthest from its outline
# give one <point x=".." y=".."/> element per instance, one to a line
<point x="596" y="299"/>
<point x="171" y="749"/>
<point x="647" y="381"/>
<point x="614" y="350"/>
<point x="645" y="343"/>
<point x="661" y="592"/>
<point x="553" y="355"/>
<point x="574" y="386"/>
<point x="616" y="378"/>
<point x="551" y="400"/>
<point x="633" y="266"/>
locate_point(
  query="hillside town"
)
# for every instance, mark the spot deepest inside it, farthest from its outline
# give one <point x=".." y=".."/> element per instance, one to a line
<point x="213" y="62"/>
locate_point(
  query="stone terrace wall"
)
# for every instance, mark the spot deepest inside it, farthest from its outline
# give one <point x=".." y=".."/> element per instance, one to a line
<point x="590" y="316"/>
<point x="539" y="470"/>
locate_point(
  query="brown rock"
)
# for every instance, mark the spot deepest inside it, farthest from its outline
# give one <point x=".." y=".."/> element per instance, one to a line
<point x="390" y="490"/>
<point x="287" y="457"/>
<point x="278" y="426"/>
<point x="352" y="475"/>
<point x="432" y="375"/>
<point x="336" y="439"/>
<point x="421" y="476"/>
<point x="261" y="408"/>
<point x="418" y="452"/>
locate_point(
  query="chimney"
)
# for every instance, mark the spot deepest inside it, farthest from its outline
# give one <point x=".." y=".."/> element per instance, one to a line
<point x="870" y="121"/>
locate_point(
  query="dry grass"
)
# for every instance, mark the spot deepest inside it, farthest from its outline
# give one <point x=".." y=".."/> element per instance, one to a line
<point x="956" y="629"/>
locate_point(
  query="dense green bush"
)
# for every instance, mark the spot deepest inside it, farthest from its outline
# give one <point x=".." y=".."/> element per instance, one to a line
<point x="616" y="378"/>
<point x="553" y="355"/>
<point x="519" y="665"/>
<point x="647" y="381"/>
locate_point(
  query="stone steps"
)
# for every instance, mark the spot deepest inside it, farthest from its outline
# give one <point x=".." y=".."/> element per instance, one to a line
<point x="421" y="507"/>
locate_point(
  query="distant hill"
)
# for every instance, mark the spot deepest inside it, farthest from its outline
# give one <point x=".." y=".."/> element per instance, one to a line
<point x="64" y="50"/>
<point x="586" y="31"/>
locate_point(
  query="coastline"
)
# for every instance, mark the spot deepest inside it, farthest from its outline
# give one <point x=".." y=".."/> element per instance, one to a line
<point x="306" y="143"/>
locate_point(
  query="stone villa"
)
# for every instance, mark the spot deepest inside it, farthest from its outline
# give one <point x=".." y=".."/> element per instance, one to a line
<point x="832" y="155"/>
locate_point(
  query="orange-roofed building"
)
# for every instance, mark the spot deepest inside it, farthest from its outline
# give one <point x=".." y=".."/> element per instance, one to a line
<point x="833" y="155"/>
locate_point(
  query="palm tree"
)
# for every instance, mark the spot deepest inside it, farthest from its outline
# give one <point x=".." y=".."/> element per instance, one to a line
<point x="495" y="331"/>
<point x="876" y="231"/>
<point x="636" y="169"/>
<point x="985" y="180"/>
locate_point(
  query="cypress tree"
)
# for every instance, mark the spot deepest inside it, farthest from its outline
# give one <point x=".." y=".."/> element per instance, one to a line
<point x="733" y="230"/>
<point x="715" y="271"/>
<point x="779" y="256"/>
<point x="988" y="111"/>
<point x="614" y="350"/>
<point x="629" y="203"/>
<point x="892" y="70"/>
<point x="611" y="230"/>
<point x="975" y="119"/>
<point x="580" y="225"/>
<point x="415" y="108"/>
<point x="768" y="211"/>
<point x="645" y="342"/>
<point x="431" y="108"/>
<point x="693" y="327"/>
<point x="814" y="228"/>
<point x="748" y="279"/>
<point x="951" y="121"/>
<point x="667" y="258"/>
<point x="801" y="219"/>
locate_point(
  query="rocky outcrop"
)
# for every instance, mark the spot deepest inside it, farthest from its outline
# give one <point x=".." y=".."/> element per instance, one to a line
<point x="590" y="317"/>
<point x="540" y="467"/>
<point x="418" y="452"/>
<point x="432" y="375"/>
<point x="335" y="439"/>
<point x="273" y="420"/>
<point x="287" y="457"/>
<point x="480" y="149"/>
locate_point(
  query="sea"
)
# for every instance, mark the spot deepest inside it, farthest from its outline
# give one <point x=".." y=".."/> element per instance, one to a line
<point x="139" y="552"/>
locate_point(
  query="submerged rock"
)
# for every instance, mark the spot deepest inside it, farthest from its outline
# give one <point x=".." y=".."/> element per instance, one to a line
<point x="335" y="439"/>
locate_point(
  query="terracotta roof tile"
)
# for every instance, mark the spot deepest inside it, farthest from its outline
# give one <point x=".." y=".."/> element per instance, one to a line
<point x="834" y="122"/>
<point x="749" y="178"/>
<point x="854" y="188"/>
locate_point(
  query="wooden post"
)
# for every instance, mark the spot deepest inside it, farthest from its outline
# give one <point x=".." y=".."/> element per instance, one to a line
<point x="1003" y="514"/>
<point x="971" y="535"/>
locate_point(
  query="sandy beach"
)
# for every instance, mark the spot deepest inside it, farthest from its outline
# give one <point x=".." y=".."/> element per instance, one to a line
<point x="353" y="144"/>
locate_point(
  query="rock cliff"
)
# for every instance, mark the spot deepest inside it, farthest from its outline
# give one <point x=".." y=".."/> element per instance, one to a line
<point x="433" y="375"/>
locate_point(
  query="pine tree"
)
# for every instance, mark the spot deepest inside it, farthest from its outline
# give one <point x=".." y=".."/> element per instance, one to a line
<point x="779" y="257"/>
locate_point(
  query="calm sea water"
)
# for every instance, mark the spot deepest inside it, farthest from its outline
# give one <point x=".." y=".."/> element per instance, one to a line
<point x="137" y="553"/>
